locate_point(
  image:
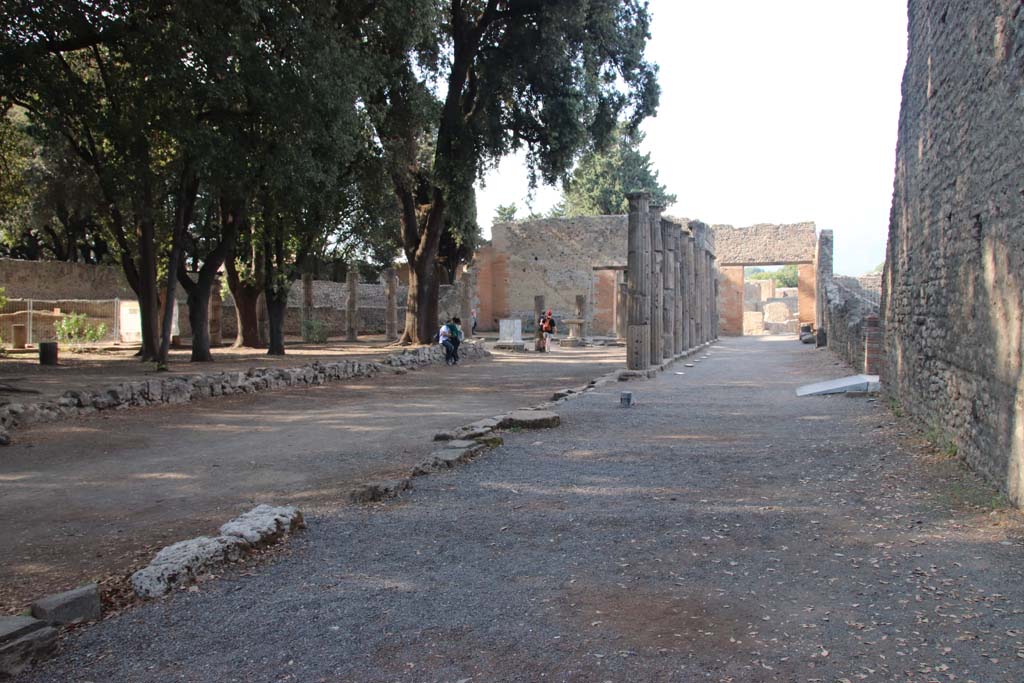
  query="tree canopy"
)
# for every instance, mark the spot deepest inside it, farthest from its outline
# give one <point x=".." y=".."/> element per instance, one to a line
<point x="604" y="175"/>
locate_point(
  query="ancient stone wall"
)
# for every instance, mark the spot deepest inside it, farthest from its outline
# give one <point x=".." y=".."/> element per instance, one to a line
<point x="765" y="244"/>
<point x="62" y="280"/>
<point x="554" y="258"/>
<point x="953" y="290"/>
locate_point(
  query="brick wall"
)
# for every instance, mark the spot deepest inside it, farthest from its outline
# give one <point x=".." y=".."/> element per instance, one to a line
<point x="953" y="288"/>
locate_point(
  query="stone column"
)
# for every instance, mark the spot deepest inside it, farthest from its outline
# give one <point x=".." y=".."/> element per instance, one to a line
<point x="677" y="330"/>
<point x="583" y="313"/>
<point x="391" y="304"/>
<point x="687" y="272"/>
<point x="714" y="298"/>
<point x="620" y="306"/>
<point x="668" y="297"/>
<point x="466" y="303"/>
<point x="657" y="283"/>
<point x="638" y="283"/>
<point x="216" y="313"/>
<point x="351" y="319"/>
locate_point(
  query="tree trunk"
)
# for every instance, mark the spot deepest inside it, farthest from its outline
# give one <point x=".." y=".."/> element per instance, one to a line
<point x="246" y="298"/>
<point x="277" y="308"/>
<point x="199" y="320"/>
<point x="421" y="245"/>
<point x="149" y="304"/>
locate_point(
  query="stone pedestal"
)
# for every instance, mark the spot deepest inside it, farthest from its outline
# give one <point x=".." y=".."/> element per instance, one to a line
<point x="575" y="337"/>
<point x="510" y="335"/>
<point x="19" y="336"/>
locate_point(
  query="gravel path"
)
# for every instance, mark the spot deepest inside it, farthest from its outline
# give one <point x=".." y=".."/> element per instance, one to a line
<point x="721" y="530"/>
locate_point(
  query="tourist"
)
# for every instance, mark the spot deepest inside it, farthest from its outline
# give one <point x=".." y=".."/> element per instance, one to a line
<point x="444" y="337"/>
<point x="456" y="336"/>
<point x="472" y="321"/>
<point x="546" y="331"/>
<point x="450" y="337"/>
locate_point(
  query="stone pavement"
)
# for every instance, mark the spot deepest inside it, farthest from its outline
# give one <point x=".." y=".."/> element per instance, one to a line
<point x="721" y="530"/>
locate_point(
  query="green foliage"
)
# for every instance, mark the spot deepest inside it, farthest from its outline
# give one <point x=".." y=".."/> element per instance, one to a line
<point x="505" y="213"/>
<point x="786" y="276"/>
<point x="75" y="329"/>
<point x="879" y="268"/>
<point x="3" y="297"/>
<point x="314" y="331"/>
<point x="604" y="175"/>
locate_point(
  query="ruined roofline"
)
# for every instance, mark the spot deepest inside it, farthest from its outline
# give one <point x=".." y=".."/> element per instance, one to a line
<point x="791" y="226"/>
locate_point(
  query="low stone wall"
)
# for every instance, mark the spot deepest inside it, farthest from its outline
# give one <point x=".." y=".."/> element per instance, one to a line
<point x="845" y="312"/>
<point x="178" y="389"/>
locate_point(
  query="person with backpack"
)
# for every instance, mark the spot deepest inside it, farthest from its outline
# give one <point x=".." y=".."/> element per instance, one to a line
<point x="450" y="336"/>
<point x="547" y="327"/>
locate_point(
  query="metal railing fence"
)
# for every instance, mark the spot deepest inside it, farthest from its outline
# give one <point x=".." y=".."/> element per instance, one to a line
<point x="39" y="318"/>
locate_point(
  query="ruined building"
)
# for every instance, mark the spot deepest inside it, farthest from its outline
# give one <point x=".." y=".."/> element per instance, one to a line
<point x="953" y="289"/>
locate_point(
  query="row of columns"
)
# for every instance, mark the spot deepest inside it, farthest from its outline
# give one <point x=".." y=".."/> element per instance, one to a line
<point x="670" y="286"/>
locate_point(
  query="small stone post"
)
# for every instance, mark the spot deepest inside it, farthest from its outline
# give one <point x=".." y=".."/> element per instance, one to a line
<point x="538" y="311"/>
<point x="620" y="307"/>
<point x="677" y="330"/>
<point x="216" y="313"/>
<point x="709" y="326"/>
<point x="657" y="283"/>
<point x="668" y="298"/>
<point x="352" y="312"/>
<point x="638" y="282"/>
<point x="391" y="304"/>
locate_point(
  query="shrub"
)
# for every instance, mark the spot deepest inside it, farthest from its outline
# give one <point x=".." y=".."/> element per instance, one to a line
<point x="314" y="331"/>
<point x="75" y="329"/>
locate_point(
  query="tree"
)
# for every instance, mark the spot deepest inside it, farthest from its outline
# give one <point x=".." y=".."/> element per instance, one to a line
<point x="505" y="213"/>
<point x="550" y="77"/>
<point x="602" y="178"/>
<point x="786" y="276"/>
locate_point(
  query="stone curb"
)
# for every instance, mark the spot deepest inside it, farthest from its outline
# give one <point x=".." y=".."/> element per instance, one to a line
<point x="178" y="389"/>
<point x="182" y="563"/>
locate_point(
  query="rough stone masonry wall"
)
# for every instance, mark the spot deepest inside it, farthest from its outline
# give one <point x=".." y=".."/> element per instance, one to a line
<point x="765" y="244"/>
<point x="555" y="257"/>
<point x="953" y="287"/>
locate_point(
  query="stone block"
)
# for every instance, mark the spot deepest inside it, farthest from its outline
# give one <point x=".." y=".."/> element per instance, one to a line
<point x="265" y="524"/>
<point x="12" y="628"/>
<point x="530" y="419"/>
<point x="32" y="646"/>
<point x="70" y="607"/>
<point x="378" y="490"/>
<point x="181" y="563"/>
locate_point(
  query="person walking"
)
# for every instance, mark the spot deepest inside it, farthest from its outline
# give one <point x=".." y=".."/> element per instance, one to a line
<point x="457" y="336"/>
<point x="547" y="328"/>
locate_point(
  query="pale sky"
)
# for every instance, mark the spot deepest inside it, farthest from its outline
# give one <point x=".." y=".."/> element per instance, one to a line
<point x="772" y="111"/>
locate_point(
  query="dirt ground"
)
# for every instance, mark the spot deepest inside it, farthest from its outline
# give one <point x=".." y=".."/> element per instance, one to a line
<point x="100" y="367"/>
<point x="91" y="498"/>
